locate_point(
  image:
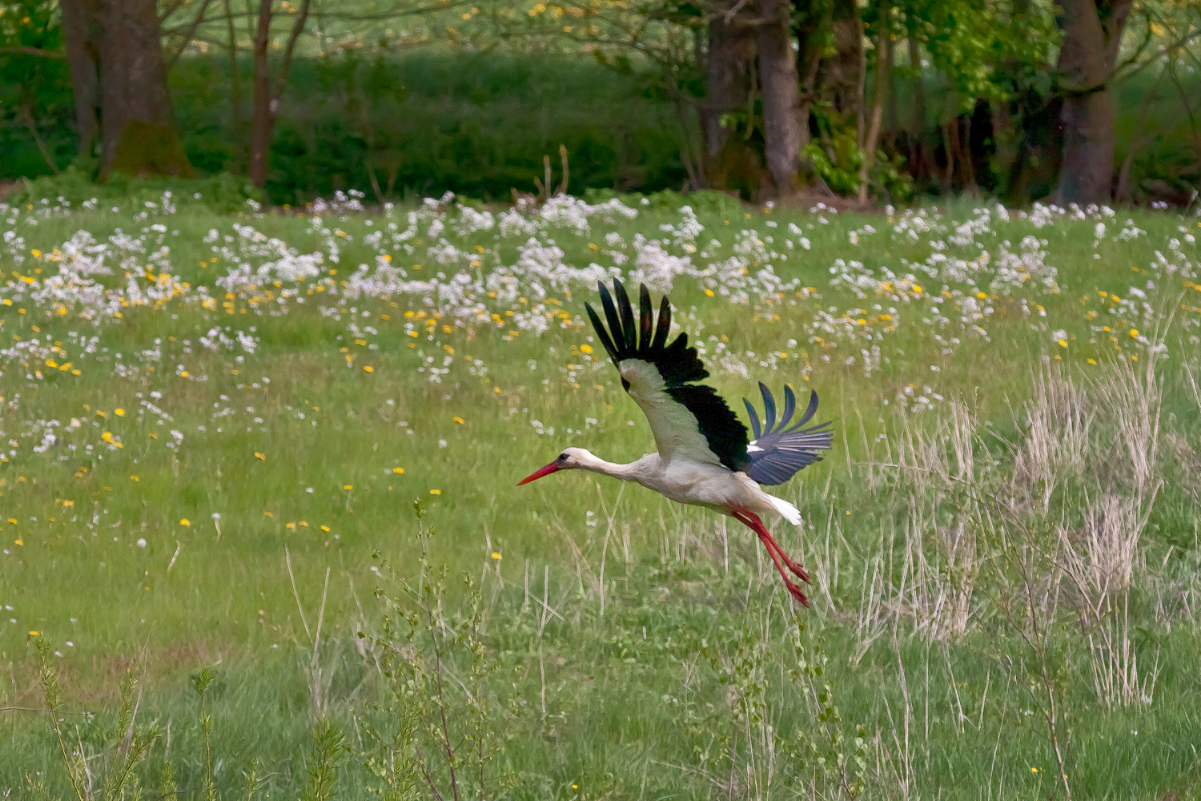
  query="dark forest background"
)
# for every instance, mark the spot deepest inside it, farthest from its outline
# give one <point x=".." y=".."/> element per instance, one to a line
<point x="880" y="100"/>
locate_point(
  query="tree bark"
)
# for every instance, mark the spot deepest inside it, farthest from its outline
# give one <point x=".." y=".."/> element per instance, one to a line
<point x="1092" y="33"/>
<point x="115" y="53"/>
<point x="782" y="130"/>
<point x="136" y="127"/>
<point x="879" y="91"/>
<point x="728" y="71"/>
<point x="264" y="114"/>
<point x="79" y="37"/>
<point x="840" y="75"/>
<point x="267" y="94"/>
<point x="235" y="93"/>
<point x="920" y="156"/>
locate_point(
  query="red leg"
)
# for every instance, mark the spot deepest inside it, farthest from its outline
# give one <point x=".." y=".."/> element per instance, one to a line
<point x="752" y="521"/>
<point x="756" y="524"/>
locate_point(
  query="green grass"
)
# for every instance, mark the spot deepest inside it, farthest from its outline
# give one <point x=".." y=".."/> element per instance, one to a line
<point x="672" y="665"/>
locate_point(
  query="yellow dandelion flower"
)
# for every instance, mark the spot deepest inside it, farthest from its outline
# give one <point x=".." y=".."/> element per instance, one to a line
<point x="435" y="492"/>
<point x="368" y="369"/>
<point x="33" y="634"/>
<point x="495" y="555"/>
<point x="268" y="514"/>
<point x="260" y="456"/>
<point x="134" y="478"/>
<point x="458" y="420"/>
<point x="709" y="292"/>
<point x="325" y="529"/>
<point x="348" y="486"/>
<point x="1133" y="333"/>
<point x="585" y="348"/>
<point x="398" y="470"/>
<point x="184" y="522"/>
<point x="119" y="412"/>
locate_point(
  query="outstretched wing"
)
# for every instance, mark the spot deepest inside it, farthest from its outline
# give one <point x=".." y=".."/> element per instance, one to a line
<point x="688" y="420"/>
<point x="780" y="450"/>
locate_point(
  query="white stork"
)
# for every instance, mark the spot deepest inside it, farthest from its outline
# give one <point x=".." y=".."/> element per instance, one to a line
<point x="704" y="458"/>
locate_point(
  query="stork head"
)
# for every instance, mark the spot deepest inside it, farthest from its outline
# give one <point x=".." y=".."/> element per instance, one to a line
<point x="569" y="459"/>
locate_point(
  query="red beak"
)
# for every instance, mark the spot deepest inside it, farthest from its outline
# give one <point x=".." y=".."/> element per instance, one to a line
<point x="546" y="471"/>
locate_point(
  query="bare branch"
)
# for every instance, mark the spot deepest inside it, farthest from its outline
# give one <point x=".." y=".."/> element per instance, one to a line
<point x="188" y="34"/>
<point x="171" y="9"/>
<point x="297" y="29"/>
<point x="30" y="51"/>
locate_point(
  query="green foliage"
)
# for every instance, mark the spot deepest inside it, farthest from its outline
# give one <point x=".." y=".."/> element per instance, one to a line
<point x="328" y="750"/>
<point x="127" y="745"/>
<point x="36" y="106"/>
<point x="201" y="682"/>
<point x="478" y="125"/>
<point x="707" y="201"/>
<point x="443" y="723"/>
<point x="223" y="193"/>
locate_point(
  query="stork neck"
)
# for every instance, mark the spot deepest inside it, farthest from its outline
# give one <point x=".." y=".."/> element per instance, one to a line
<point x="626" y="472"/>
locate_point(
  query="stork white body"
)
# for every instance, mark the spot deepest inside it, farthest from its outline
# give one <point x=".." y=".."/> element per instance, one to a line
<point x="694" y="483"/>
<point x="705" y="456"/>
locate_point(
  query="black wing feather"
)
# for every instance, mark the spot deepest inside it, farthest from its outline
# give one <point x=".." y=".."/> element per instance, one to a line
<point x="780" y="450"/>
<point x="664" y="327"/>
<point x="602" y="333"/>
<point x="646" y="318"/>
<point x="627" y="315"/>
<point x="678" y="364"/>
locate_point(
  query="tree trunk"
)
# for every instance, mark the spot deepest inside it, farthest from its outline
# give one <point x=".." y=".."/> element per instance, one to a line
<point x="264" y="107"/>
<point x="840" y="74"/>
<point x="1092" y="33"/>
<point x="728" y="71"/>
<point x="235" y="93"/>
<point x="115" y="53"/>
<point x="920" y="155"/>
<point x="879" y="90"/>
<point x="79" y="37"/>
<point x="778" y="76"/>
<point x="813" y="20"/>
<point x="267" y="95"/>
<point x="138" y="133"/>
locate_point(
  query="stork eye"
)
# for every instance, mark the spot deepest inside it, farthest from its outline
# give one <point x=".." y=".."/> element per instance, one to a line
<point x="562" y="457"/>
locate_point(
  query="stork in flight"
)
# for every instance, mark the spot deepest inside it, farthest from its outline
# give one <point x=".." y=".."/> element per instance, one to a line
<point x="705" y="457"/>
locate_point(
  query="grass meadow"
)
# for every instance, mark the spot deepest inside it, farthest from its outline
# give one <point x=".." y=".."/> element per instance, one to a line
<point x="261" y="536"/>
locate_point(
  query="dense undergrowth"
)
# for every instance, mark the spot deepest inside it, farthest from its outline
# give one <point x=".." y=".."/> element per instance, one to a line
<point x="480" y="124"/>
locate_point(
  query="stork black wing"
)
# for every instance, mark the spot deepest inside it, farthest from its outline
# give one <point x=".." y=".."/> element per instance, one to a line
<point x="780" y="450"/>
<point x="689" y="420"/>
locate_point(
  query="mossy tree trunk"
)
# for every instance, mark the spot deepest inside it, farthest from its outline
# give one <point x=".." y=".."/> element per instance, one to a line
<point x="116" y="56"/>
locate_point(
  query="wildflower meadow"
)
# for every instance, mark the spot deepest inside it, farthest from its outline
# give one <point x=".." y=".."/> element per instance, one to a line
<point x="261" y="539"/>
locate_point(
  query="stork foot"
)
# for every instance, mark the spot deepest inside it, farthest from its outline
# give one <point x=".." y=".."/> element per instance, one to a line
<point x="797" y="593"/>
<point x="796" y="568"/>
